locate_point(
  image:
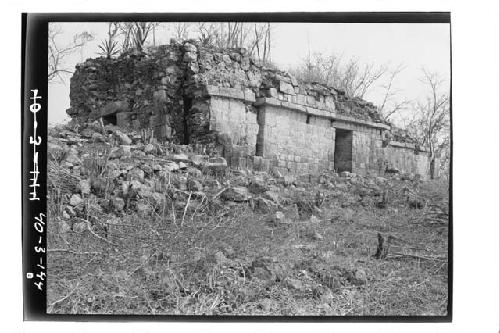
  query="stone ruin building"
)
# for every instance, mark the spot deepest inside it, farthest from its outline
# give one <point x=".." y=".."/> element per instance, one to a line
<point x="256" y="117"/>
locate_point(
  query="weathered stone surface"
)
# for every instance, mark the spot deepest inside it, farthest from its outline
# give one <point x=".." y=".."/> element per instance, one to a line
<point x="118" y="203"/>
<point x="194" y="185"/>
<point x="278" y="218"/>
<point x="258" y="185"/>
<point x="118" y="152"/>
<point x="237" y="194"/>
<point x="124" y="139"/>
<point x="149" y="148"/>
<point x="75" y="200"/>
<point x="72" y="157"/>
<point x="171" y="166"/>
<point x="295" y="284"/>
<point x="238" y="107"/>
<point x="287" y="88"/>
<point x="84" y="186"/>
<point x="135" y="174"/>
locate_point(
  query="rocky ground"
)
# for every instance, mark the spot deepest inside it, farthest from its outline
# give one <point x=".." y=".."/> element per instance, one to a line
<point x="139" y="227"/>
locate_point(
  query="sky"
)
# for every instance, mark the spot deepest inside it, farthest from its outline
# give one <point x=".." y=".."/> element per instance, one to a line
<point x="415" y="46"/>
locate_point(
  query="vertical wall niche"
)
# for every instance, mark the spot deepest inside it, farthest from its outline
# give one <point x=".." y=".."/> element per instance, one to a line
<point x="187" y="104"/>
<point x="343" y="150"/>
<point x="261" y="121"/>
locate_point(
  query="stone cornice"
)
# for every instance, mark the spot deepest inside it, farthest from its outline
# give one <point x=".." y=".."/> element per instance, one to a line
<point x="408" y="145"/>
<point x="246" y="95"/>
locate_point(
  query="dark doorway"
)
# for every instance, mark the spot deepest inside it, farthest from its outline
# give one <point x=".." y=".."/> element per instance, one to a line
<point x="109" y="119"/>
<point x="342" y="158"/>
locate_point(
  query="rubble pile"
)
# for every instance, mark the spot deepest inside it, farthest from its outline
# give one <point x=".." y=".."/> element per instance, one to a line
<point x="105" y="171"/>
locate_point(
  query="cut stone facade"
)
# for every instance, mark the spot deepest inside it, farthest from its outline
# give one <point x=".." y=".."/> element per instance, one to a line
<point x="256" y="117"/>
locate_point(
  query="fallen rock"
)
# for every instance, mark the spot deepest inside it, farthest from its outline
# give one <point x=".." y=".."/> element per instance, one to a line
<point x="75" y="200"/>
<point x="135" y="174"/>
<point x="179" y="158"/>
<point x="98" y="137"/>
<point x="72" y="157"/>
<point x="257" y="185"/>
<point x="118" y="152"/>
<point x="220" y="258"/>
<point x="316" y="236"/>
<point x="171" y="166"/>
<point x="278" y="218"/>
<point x="216" y="164"/>
<point x="237" y="194"/>
<point x="194" y="185"/>
<point x="87" y="133"/>
<point x="118" y="204"/>
<point x="325" y="295"/>
<point x="194" y="172"/>
<point x="357" y="277"/>
<point x="84" y="186"/>
<point x="268" y="269"/>
<point x="143" y="208"/>
<point x="288" y="180"/>
<point x="148" y="169"/>
<point x="314" y="220"/>
<point x="149" y="148"/>
<point x="265" y="205"/>
<point x="63" y="227"/>
<point x="266" y="304"/>
<point x="79" y="227"/>
<point x="213" y="184"/>
<point x="69" y="210"/>
<point x="295" y="284"/>
<point x="273" y="196"/>
<point x="124" y="139"/>
<point x="198" y="159"/>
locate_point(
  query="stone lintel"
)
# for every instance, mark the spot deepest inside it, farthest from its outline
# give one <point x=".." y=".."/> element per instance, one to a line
<point x="325" y="113"/>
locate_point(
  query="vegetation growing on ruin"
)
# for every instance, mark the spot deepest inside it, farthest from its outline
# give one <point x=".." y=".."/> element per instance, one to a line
<point x="141" y="227"/>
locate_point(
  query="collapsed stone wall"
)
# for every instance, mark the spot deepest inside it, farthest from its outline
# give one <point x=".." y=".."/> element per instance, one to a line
<point x="256" y="116"/>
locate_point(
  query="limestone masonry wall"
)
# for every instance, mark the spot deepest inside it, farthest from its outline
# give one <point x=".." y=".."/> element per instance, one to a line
<point x="255" y="116"/>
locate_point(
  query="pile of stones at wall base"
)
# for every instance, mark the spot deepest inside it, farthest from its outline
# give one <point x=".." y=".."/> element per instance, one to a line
<point x="230" y="104"/>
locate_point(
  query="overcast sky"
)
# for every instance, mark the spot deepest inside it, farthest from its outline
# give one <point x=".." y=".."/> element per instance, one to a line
<point x="416" y="46"/>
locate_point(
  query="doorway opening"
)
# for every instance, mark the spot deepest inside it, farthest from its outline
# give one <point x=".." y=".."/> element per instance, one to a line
<point x="342" y="158"/>
<point x="109" y="119"/>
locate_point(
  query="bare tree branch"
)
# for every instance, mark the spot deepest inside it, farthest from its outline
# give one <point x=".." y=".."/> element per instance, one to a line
<point x="58" y="54"/>
<point x="431" y="123"/>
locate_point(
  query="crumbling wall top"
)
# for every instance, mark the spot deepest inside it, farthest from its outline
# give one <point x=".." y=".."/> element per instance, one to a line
<point x="200" y="66"/>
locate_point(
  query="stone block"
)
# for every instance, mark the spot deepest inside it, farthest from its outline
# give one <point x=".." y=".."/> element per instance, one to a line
<point x="249" y="95"/>
<point x="301" y="99"/>
<point x="212" y="90"/>
<point x="271" y="92"/>
<point x="311" y="100"/>
<point x="286" y="88"/>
